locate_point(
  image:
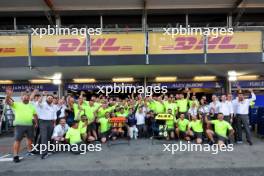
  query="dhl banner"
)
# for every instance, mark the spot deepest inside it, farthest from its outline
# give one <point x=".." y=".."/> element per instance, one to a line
<point x="13" y="46"/>
<point x="118" y="44"/>
<point x="106" y="44"/>
<point x="239" y="42"/>
<point x="58" y="45"/>
<point x="168" y="44"/>
<point x="129" y="44"/>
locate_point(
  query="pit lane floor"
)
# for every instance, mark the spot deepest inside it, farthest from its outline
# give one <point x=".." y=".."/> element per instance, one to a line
<point x="138" y="158"/>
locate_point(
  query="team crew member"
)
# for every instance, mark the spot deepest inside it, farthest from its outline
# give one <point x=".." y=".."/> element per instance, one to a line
<point x="73" y="136"/>
<point x="100" y="112"/>
<point x="83" y="125"/>
<point x="79" y="106"/>
<point x="204" y="109"/>
<point x="171" y="126"/>
<point x="47" y="120"/>
<point x="226" y="108"/>
<point x="24" y="115"/>
<point x="60" y="131"/>
<point x="61" y="107"/>
<point x="34" y="98"/>
<point x="171" y="105"/>
<point x="221" y="128"/>
<point x="195" y="129"/>
<point x="242" y="107"/>
<point x="132" y="123"/>
<point x="193" y="100"/>
<point x="214" y="107"/>
<point x="159" y="105"/>
<point x="140" y="116"/>
<point x="182" y="127"/>
<point x="182" y="103"/>
<point x="193" y="110"/>
<point x="90" y="112"/>
<point x="104" y="127"/>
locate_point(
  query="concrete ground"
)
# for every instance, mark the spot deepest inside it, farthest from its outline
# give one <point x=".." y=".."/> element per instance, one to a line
<point x="139" y="158"/>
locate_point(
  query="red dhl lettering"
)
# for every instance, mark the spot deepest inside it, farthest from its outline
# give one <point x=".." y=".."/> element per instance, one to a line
<point x="103" y="44"/>
<point x="7" y="50"/>
<point x="192" y="43"/>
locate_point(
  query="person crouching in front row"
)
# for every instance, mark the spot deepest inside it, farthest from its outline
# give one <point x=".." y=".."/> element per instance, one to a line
<point x="60" y="131"/>
<point x="73" y="137"/>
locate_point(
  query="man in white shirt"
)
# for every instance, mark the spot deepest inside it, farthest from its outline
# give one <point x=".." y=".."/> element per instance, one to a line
<point x="203" y="109"/>
<point x="140" y="116"/>
<point x="60" y="131"/>
<point x="61" y="107"/>
<point x="242" y="108"/>
<point x="47" y="119"/>
<point x="214" y="106"/>
<point x="193" y="110"/>
<point x="226" y="108"/>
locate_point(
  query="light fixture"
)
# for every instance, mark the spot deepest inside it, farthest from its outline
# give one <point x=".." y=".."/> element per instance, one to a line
<point x="56" y="81"/>
<point x="232" y="78"/>
<point x="232" y="73"/>
<point x="124" y="79"/>
<point x="40" y="81"/>
<point x="204" y="78"/>
<point x="6" y="82"/>
<point x="84" y="80"/>
<point x="57" y="76"/>
<point x="248" y="77"/>
<point x="166" y="79"/>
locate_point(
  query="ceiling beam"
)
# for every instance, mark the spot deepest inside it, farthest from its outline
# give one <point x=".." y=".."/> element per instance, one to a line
<point x="51" y="12"/>
<point x="239" y="11"/>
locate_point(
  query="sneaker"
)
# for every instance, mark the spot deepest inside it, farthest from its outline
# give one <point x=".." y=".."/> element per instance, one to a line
<point x="44" y="156"/>
<point x="16" y="159"/>
<point x="239" y="142"/>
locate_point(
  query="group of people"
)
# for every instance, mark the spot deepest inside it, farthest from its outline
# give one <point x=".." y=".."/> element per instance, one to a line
<point x="78" y="120"/>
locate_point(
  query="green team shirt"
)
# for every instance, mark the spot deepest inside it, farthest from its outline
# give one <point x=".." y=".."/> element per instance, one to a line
<point x="171" y="123"/>
<point x="183" y="124"/>
<point x="183" y="105"/>
<point x="73" y="135"/>
<point x="151" y="106"/>
<point x="24" y="113"/>
<point x="82" y="127"/>
<point x="97" y="105"/>
<point x="89" y="112"/>
<point x="102" y="111"/>
<point x="221" y="127"/>
<point x="159" y="107"/>
<point x="104" y="125"/>
<point x="76" y="111"/>
<point x="171" y="106"/>
<point x="119" y="114"/>
<point x="197" y="126"/>
<point x="195" y="101"/>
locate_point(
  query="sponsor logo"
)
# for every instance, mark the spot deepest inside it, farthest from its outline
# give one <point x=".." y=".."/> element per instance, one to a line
<point x="193" y="43"/>
<point x="100" y="44"/>
<point x="7" y="50"/>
